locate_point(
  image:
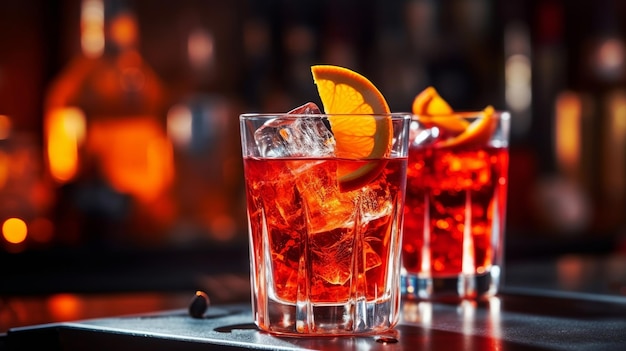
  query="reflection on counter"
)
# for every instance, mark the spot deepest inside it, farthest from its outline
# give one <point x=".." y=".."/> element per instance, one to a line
<point x="428" y="313"/>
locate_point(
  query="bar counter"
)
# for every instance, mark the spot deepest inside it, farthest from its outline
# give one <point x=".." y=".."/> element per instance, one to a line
<point x="517" y="319"/>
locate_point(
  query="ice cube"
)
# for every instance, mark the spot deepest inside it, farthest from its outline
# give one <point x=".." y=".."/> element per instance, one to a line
<point x="422" y="136"/>
<point x="331" y="254"/>
<point x="327" y="207"/>
<point x="301" y="136"/>
<point x="310" y="108"/>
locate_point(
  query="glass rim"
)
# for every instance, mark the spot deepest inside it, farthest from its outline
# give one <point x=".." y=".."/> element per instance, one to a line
<point x="465" y="114"/>
<point x="265" y="115"/>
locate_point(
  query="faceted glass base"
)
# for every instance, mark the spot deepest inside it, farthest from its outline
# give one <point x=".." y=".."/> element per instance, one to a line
<point x="360" y="317"/>
<point x="462" y="286"/>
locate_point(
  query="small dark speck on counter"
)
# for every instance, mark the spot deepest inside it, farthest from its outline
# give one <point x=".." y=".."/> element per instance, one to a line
<point x="199" y="304"/>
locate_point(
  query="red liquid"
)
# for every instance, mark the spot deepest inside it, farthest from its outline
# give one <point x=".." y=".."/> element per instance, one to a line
<point x="311" y="247"/>
<point x="453" y="196"/>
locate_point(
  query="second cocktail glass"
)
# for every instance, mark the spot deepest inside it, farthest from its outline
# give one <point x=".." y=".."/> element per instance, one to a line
<point x="455" y="206"/>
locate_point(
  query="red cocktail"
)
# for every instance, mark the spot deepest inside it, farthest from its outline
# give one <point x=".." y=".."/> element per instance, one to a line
<point x="455" y="206"/>
<point x="320" y="241"/>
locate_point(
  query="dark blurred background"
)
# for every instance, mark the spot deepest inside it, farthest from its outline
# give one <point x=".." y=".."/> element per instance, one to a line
<point x="187" y="69"/>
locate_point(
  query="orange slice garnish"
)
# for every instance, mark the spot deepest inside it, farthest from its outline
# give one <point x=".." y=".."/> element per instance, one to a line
<point x="429" y="102"/>
<point x="359" y="136"/>
<point x="433" y="110"/>
<point x="477" y="133"/>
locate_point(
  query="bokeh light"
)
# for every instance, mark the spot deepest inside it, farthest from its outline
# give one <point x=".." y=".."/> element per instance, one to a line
<point x="14" y="230"/>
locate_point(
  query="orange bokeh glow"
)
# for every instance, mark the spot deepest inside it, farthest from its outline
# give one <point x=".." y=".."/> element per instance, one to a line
<point x="66" y="131"/>
<point x="568" y="131"/>
<point x="5" y="127"/>
<point x="14" y="230"/>
<point x="136" y="157"/>
<point x="64" y="307"/>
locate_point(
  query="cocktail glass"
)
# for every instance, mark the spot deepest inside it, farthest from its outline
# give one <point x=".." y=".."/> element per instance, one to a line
<point x="324" y="253"/>
<point x="455" y="205"/>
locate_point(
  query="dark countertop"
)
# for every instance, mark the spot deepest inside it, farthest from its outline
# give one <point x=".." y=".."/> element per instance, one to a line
<point x="518" y="319"/>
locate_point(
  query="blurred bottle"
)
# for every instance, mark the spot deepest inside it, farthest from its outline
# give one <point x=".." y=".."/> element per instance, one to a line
<point x="24" y="198"/>
<point x="203" y="127"/>
<point x="106" y="145"/>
